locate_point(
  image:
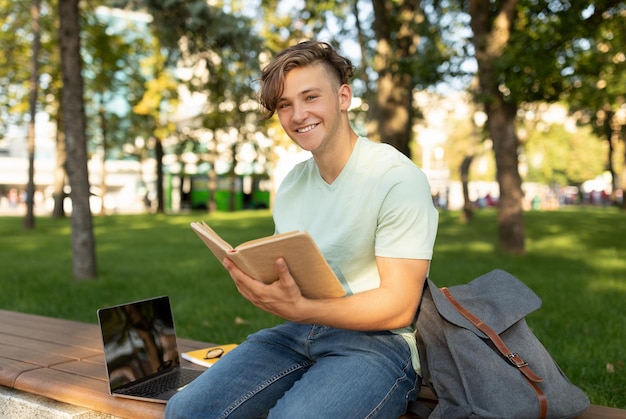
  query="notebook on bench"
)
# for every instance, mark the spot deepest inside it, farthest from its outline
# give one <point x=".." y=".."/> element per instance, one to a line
<point x="141" y="350"/>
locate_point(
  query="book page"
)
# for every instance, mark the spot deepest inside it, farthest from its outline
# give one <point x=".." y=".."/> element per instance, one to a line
<point x="218" y="246"/>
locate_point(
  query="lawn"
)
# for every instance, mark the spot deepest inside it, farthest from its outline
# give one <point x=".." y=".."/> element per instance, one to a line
<point x="575" y="261"/>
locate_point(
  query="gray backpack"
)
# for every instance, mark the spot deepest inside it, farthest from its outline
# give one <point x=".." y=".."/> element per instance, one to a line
<point x="480" y="358"/>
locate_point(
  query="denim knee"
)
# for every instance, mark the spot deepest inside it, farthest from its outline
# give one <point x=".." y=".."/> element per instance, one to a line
<point x="172" y="409"/>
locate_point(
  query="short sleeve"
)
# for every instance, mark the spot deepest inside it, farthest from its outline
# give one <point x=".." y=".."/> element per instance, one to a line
<point x="408" y="219"/>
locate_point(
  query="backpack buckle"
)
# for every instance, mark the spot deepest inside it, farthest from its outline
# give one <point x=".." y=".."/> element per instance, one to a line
<point x="516" y="360"/>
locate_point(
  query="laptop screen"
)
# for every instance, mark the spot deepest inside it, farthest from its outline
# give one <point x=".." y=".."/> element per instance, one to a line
<point x="139" y="340"/>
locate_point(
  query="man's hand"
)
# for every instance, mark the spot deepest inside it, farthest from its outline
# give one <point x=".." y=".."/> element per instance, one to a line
<point x="280" y="297"/>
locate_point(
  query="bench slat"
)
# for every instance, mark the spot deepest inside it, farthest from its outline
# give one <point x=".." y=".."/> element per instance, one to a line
<point x="10" y="369"/>
<point x="73" y="352"/>
<point x="75" y="337"/>
<point x="37" y="357"/>
<point x="85" y="392"/>
<point x="85" y="369"/>
<point x="23" y="324"/>
<point x="603" y="412"/>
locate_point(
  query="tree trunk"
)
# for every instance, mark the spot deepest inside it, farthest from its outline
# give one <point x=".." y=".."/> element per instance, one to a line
<point x="369" y="96"/>
<point x="623" y="176"/>
<point x="232" y="193"/>
<point x="501" y="124"/>
<point x="491" y="32"/>
<point x="158" y="151"/>
<point x="396" y="41"/>
<point x="29" y="220"/>
<point x="83" y="242"/>
<point x="623" y="185"/>
<point x="103" y="174"/>
<point x="58" y="194"/>
<point x="468" y="211"/>
<point x="611" y="134"/>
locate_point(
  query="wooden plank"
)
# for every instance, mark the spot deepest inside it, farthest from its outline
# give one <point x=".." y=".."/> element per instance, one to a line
<point x="38" y="357"/>
<point x="10" y="369"/>
<point x="85" y="392"/>
<point x="85" y="369"/>
<point x="73" y="339"/>
<point x="74" y="352"/>
<point x="603" y="412"/>
<point x="96" y="359"/>
<point x="37" y="321"/>
<point x="33" y="322"/>
<point x="60" y="333"/>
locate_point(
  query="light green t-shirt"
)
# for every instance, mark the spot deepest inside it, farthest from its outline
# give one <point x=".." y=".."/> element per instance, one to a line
<point x="380" y="205"/>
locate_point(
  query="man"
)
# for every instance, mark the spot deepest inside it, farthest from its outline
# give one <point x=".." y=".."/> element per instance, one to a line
<point x="370" y="211"/>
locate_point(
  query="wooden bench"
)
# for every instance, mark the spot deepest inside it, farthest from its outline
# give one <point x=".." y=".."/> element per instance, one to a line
<point x="62" y="360"/>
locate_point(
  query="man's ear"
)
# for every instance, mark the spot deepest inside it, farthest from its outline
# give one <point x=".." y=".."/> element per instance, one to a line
<point x="345" y="97"/>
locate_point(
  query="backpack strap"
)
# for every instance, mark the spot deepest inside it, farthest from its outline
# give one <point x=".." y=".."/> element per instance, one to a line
<point x="514" y="358"/>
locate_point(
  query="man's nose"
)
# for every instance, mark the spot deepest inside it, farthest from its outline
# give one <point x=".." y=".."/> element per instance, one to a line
<point x="299" y="112"/>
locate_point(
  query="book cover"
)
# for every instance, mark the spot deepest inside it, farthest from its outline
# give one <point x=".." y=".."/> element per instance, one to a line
<point x="257" y="258"/>
<point x="208" y="356"/>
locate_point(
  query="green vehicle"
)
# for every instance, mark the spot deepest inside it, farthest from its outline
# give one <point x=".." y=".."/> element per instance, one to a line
<point x="230" y="194"/>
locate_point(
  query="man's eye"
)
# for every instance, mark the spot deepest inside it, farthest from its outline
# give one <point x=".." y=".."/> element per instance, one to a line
<point x="283" y="105"/>
<point x="311" y="97"/>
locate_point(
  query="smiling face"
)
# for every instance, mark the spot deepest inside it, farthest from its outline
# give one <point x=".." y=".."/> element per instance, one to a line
<point x="312" y="108"/>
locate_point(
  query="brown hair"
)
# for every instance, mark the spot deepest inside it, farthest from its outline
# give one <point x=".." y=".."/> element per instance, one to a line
<point x="300" y="55"/>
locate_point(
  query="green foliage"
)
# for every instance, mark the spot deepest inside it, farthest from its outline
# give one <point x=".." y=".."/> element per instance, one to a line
<point x="575" y="261"/>
<point x="597" y="77"/>
<point x="557" y="156"/>
<point x="16" y="40"/>
<point x="112" y="51"/>
<point x="220" y="52"/>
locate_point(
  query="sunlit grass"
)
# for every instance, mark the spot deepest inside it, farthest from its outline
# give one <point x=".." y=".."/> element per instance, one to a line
<point x="575" y="261"/>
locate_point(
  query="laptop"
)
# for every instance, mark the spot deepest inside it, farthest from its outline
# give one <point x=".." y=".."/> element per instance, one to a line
<point x="141" y="351"/>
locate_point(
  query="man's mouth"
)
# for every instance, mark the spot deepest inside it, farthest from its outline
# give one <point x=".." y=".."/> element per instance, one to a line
<point x="306" y="129"/>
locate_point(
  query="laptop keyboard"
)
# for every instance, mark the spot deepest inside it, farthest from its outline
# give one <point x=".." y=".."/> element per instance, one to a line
<point x="162" y="384"/>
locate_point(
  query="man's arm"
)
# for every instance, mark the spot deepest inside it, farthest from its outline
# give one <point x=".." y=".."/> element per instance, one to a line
<point x="391" y="306"/>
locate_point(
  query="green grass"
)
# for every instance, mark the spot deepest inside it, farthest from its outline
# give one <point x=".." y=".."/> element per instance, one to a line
<point x="575" y="261"/>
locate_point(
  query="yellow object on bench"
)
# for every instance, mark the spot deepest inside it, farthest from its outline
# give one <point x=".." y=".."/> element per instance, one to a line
<point x="62" y="360"/>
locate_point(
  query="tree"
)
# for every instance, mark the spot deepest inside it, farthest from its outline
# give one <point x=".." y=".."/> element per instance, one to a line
<point x="82" y="237"/>
<point x="29" y="220"/>
<point x="158" y="102"/>
<point x="15" y="75"/>
<point x="401" y="65"/>
<point x="596" y="81"/>
<point x="492" y="26"/>
<point x="221" y="54"/>
<point x="524" y="54"/>
<point x="50" y="85"/>
<point x="114" y="49"/>
<point x="15" y="22"/>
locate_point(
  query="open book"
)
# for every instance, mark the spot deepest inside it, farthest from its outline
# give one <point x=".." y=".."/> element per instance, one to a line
<point x="257" y="258"/>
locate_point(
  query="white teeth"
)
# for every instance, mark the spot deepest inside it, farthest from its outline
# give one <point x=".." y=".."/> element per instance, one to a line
<point x="306" y="129"/>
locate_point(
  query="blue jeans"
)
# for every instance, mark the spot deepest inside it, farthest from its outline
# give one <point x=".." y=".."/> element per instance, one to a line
<point x="304" y="371"/>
